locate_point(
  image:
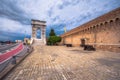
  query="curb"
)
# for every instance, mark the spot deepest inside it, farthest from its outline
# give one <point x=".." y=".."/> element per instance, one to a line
<point x="19" y="61"/>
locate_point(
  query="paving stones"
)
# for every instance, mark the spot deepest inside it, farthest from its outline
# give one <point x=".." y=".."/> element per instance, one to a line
<point x="62" y="63"/>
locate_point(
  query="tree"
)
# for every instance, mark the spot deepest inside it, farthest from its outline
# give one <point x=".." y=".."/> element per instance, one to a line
<point x="52" y="33"/>
<point x="53" y="39"/>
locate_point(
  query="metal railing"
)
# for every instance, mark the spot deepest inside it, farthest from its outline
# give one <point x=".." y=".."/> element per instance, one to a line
<point x="6" y="66"/>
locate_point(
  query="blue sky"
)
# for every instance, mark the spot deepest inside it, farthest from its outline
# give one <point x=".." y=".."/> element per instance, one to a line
<point x="16" y="15"/>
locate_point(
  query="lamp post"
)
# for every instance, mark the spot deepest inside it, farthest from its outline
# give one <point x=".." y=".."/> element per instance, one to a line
<point x="25" y="34"/>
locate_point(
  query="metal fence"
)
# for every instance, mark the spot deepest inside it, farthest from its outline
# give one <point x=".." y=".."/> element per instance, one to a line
<point x="15" y="59"/>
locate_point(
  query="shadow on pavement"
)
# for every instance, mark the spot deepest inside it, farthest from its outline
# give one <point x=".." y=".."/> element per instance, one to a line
<point x="81" y="51"/>
<point x="111" y="62"/>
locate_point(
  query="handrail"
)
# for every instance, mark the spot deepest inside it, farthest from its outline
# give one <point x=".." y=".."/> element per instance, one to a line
<point x="8" y="55"/>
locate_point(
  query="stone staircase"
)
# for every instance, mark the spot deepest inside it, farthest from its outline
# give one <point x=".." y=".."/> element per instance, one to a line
<point x="38" y="42"/>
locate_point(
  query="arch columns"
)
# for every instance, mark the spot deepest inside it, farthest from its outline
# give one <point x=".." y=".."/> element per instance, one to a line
<point x="36" y="24"/>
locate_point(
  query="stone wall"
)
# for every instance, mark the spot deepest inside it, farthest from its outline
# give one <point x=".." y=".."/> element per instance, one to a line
<point x="102" y="32"/>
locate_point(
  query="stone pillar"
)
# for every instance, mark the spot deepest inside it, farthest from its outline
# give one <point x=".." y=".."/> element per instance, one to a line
<point x="36" y="24"/>
<point x="34" y="31"/>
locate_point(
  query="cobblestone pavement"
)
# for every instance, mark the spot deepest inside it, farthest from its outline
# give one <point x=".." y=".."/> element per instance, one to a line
<point x="63" y="63"/>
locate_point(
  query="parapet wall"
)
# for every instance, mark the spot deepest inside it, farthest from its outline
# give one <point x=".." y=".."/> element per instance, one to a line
<point x="102" y="32"/>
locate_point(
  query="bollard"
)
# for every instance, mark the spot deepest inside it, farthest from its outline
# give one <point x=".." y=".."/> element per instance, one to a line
<point x="14" y="60"/>
<point x="28" y="50"/>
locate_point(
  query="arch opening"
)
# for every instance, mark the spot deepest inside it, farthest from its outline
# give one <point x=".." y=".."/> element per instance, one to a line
<point x="38" y="34"/>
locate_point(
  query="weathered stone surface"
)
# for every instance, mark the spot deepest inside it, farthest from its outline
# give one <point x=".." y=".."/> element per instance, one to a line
<point x="62" y="63"/>
<point x="102" y="32"/>
<point x="36" y="24"/>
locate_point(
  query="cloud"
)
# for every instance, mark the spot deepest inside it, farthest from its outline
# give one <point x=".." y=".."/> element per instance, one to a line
<point x="16" y="15"/>
<point x="12" y="36"/>
<point x="66" y="3"/>
<point x="13" y="26"/>
<point x="9" y="9"/>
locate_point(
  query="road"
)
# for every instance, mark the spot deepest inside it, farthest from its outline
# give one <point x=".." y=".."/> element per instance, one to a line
<point x="7" y="47"/>
<point x="9" y="54"/>
<point x="6" y="66"/>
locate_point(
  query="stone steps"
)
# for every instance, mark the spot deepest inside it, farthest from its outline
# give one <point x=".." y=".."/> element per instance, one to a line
<point x="38" y="42"/>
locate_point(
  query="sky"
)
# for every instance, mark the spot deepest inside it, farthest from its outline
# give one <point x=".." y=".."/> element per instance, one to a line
<point x="16" y="15"/>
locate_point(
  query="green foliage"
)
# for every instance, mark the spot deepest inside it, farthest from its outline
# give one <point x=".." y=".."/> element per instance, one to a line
<point x="52" y="33"/>
<point x="52" y="40"/>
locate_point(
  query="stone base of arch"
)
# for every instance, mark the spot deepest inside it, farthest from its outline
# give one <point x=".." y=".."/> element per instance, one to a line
<point x="36" y="24"/>
<point x="38" y="41"/>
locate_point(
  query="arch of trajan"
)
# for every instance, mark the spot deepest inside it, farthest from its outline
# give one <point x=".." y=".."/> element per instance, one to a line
<point x="36" y="24"/>
<point x="102" y="32"/>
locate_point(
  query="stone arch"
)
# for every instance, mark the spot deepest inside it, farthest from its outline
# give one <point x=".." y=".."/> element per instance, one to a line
<point x="88" y="28"/>
<point x="93" y="27"/>
<point x="101" y="24"/>
<point x="111" y="23"/>
<point x="84" y="30"/>
<point x="38" y="33"/>
<point x="106" y="23"/>
<point x="117" y="23"/>
<point x="39" y="25"/>
<point x="97" y="27"/>
<point x="117" y="19"/>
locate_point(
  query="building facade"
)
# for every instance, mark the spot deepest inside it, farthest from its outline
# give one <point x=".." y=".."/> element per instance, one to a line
<point x="102" y="32"/>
